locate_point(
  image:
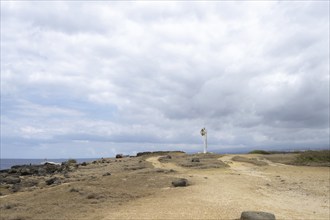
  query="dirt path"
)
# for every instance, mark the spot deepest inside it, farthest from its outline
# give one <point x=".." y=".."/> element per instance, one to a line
<point x="287" y="191"/>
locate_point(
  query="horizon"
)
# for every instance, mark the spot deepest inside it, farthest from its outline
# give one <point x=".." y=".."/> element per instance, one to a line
<point x="234" y="151"/>
<point x="91" y="79"/>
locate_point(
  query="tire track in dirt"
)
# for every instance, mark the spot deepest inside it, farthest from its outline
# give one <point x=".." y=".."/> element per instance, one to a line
<point x="243" y="168"/>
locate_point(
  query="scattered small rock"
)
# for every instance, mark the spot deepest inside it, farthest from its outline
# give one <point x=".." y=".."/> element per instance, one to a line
<point x="252" y="215"/>
<point x="195" y="160"/>
<point x="180" y="182"/>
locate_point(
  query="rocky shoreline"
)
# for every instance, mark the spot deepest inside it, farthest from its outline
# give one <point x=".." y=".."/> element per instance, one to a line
<point x="30" y="177"/>
<point x="26" y="176"/>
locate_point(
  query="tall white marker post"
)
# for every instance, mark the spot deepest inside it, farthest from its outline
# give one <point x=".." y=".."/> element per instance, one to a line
<point x="204" y="134"/>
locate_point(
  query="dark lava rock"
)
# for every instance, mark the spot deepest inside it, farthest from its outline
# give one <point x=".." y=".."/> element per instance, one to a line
<point x="51" y="168"/>
<point x="251" y="215"/>
<point x="157" y="152"/>
<point x="12" y="170"/>
<point x="107" y="174"/>
<point x="53" y="180"/>
<point x="83" y="164"/>
<point x="119" y="156"/>
<point x="180" y="182"/>
<point x="12" y="180"/>
<point x="26" y="171"/>
<point x="195" y="159"/>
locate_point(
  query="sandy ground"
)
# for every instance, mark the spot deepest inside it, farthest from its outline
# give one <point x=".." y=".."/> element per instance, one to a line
<point x="290" y="192"/>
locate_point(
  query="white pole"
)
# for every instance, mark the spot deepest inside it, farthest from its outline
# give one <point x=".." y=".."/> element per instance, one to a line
<point x="204" y="135"/>
<point x="205" y="142"/>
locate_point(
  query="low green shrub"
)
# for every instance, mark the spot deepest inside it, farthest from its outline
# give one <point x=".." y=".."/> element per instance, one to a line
<point x="313" y="157"/>
<point x="259" y="152"/>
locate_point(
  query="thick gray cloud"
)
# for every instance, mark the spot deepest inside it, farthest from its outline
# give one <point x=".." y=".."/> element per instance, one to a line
<point x="82" y="79"/>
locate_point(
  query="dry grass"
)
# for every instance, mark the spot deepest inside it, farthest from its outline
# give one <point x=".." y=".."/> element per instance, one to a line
<point x="87" y="192"/>
<point x="313" y="158"/>
<point x="307" y="158"/>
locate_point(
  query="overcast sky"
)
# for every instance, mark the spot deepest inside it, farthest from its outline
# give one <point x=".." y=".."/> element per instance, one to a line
<point x="92" y="79"/>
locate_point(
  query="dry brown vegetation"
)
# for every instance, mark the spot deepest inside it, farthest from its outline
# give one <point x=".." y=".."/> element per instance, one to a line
<point x="86" y="191"/>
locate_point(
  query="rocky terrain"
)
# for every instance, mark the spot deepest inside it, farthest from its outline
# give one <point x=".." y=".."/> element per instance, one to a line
<point x="167" y="185"/>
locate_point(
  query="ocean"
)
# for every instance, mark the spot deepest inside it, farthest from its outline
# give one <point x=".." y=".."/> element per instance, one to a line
<point x="8" y="163"/>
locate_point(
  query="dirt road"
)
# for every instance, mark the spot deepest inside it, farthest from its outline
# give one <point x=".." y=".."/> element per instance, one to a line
<point x="290" y="192"/>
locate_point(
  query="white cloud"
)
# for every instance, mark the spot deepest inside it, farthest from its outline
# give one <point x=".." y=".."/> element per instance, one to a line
<point x="154" y="73"/>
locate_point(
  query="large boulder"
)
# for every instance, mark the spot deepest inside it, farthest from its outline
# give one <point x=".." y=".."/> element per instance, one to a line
<point x="83" y="164"/>
<point x="180" y="182"/>
<point x="252" y="215"/>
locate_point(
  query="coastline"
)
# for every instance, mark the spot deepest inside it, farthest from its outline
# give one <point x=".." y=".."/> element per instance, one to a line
<point x="7" y="163"/>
